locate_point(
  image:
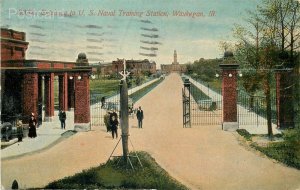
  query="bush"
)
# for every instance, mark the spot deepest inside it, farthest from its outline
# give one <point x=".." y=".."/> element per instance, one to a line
<point x="119" y="176"/>
<point x="287" y="152"/>
<point x="245" y="134"/>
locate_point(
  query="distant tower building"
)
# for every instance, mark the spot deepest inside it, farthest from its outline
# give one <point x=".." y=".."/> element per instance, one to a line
<point x="175" y="57"/>
<point x="174" y="67"/>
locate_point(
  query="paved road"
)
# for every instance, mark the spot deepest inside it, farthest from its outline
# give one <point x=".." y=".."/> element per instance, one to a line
<point x="203" y="157"/>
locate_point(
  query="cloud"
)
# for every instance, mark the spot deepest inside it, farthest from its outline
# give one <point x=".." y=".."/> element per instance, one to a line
<point x="110" y="45"/>
<point x="36" y="26"/>
<point x="112" y="27"/>
<point x="149" y="42"/>
<point x="93" y="59"/>
<point x="111" y="40"/>
<point x="206" y="42"/>
<point x="94" y="40"/>
<point x="146" y="21"/>
<point x="37" y="34"/>
<point x="149" y="29"/>
<point x="148" y="54"/>
<point x="5" y="26"/>
<point x="95" y="53"/>
<point x="150" y="35"/>
<point x="37" y="40"/>
<point x="147" y="48"/>
<point x="94" y="34"/>
<point x="37" y="53"/>
<point x="94" y="47"/>
<point x="37" y="47"/>
<point x="93" y="26"/>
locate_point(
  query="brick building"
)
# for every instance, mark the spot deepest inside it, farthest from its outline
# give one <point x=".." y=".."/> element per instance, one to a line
<point x="23" y="83"/>
<point x="136" y="67"/>
<point x="174" y="67"/>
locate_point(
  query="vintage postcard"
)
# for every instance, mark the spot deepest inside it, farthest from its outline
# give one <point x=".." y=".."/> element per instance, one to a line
<point x="139" y="94"/>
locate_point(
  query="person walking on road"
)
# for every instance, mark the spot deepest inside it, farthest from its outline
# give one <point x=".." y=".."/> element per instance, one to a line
<point x="103" y="102"/>
<point x="19" y="129"/>
<point x="62" y="117"/>
<point x="114" y="126"/>
<point x="107" y="119"/>
<point x="140" y="117"/>
<point x="32" y="126"/>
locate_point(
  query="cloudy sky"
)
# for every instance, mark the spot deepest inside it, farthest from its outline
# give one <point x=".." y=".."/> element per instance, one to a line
<point x="131" y="29"/>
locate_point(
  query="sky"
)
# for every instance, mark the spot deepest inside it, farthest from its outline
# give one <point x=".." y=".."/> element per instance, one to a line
<point x="132" y="29"/>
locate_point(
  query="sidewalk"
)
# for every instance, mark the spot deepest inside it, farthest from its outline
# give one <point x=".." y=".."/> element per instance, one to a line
<point x="47" y="134"/>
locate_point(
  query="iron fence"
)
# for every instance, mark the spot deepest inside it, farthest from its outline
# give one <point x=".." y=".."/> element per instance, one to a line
<point x="252" y="110"/>
<point x="99" y="108"/>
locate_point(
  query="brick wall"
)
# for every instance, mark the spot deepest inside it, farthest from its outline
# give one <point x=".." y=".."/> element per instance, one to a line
<point x="30" y="95"/>
<point x="229" y="93"/>
<point x="13" y="45"/>
<point x="49" y="95"/>
<point x="63" y="92"/>
<point x="82" y="99"/>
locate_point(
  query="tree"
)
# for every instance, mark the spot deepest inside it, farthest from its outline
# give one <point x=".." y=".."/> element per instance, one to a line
<point x="283" y="19"/>
<point x="262" y="44"/>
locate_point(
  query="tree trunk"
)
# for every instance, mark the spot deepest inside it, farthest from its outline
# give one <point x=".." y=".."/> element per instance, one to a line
<point x="297" y="93"/>
<point x="268" y="101"/>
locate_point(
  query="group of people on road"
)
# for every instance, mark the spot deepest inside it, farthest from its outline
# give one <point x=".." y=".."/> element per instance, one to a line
<point x="111" y="121"/>
<point x="32" y="125"/>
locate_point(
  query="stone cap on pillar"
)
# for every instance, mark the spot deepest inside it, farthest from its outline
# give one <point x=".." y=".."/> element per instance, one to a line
<point x="228" y="58"/>
<point x="187" y="83"/>
<point x="228" y="66"/>
<point x="82" y="60"/>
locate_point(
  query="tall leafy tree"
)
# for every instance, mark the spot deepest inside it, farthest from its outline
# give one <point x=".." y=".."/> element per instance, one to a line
<point x="269" y="40"/>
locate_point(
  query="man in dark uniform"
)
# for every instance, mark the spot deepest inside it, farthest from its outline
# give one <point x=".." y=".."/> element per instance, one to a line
<point x="140" y="117"/>
<point x="62" y="117"/>
<point x="114" y="126"/>
<point x="102" y="102"/>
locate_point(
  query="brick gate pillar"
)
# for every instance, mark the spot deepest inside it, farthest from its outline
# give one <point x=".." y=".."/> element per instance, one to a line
<point x="82" y="102"/>
<point x="71" y="95"/>
<point x="63" y="92"/>
<point x="30" y="95"/>
<point x="49" y="97"/>
<point x="229" y="92"/>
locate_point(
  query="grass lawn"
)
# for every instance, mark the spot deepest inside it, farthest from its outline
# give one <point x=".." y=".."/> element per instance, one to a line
<point x="142" y="92"/>
<point x="98" y="87"/>
<point x="104" y="87"/>
<point x="120" y="176"/>
<point x="286" y="151"/>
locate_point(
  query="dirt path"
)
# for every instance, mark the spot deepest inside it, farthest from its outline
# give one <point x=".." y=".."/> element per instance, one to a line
<point x="204" y="157"/>
<point x="201" y="157"/>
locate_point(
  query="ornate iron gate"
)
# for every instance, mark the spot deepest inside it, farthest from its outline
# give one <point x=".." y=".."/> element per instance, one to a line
<point x="99" y="108"/>
<point x="205" y="104"/>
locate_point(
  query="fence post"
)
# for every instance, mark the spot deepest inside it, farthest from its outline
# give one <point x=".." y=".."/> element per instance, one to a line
<point x="229" y="92"/>
<point x="187" y="103"/>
